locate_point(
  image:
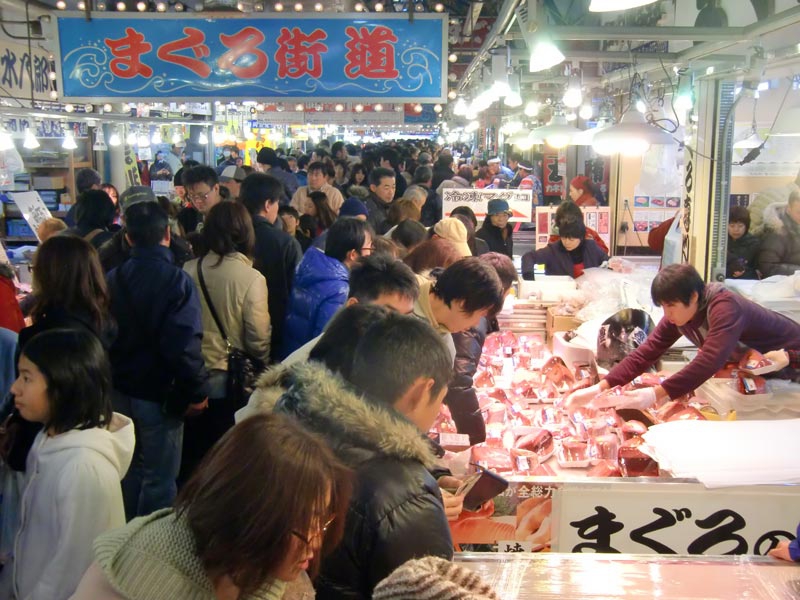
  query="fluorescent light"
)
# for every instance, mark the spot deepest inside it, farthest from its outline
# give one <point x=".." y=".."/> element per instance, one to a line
<point x="545" y="55"/>
<point x="611" y="5"/>
<point x="30" y="140"/>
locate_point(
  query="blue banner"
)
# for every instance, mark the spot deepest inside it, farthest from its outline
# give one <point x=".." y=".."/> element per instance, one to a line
<point x="385" y="58"/>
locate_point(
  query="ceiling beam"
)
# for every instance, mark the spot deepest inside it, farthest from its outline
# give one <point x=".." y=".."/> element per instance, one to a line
<point x="648" y="34"/>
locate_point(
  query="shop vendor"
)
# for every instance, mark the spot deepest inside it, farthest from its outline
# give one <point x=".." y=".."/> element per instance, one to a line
<point x="717" y="320"/>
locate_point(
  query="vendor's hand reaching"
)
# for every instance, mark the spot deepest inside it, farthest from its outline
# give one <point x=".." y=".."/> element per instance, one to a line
<point x="582" y="397"/>
<point x="641" y="399"/>
<point x="779" y="358"/>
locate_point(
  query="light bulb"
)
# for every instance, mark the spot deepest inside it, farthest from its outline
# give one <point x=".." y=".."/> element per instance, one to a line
<point x="418" y="108"/>
<point x="161" y="7"/>
<point x="69" y="141"/>
<point x="101" y="6"/>
<point x="202" y="139"/>
<point x="299" y="108"/>
<point x="472" y="126"/>
<point x="437" y="108"/>
<point x="81" y="5"/>
<point x="156" y="139"/>
<point x="452" y="95"/>
<point x="141" y="7"/>
<point x="512" y="100"/>
<point x="278" y="7"/>
<point x="53" y="95"/>
<point x="641" y="106"/>
<point x="532" y="109"/>
<point x="177" y="138"/>
<point x="30" y="140"/>
<point x="358" y="7"/>
<point x="61" y="5"/>
<point x="634" y="147"/>
<point x="571" y="116"/>
<point x="339" y="107"/>
<point x="573" y="97"/>
<point x="318" y="7"/>
<point x="378" y="7"/>
<point x="453" y="57"/>
<point x="131" y="138"/>
<point x="51" y="75"/>
<point x="557" y="141"/>
<point x="179" y="7"/>
<point x="114" y="139"/>
<point x="69" y="107"/>
<point x="298" y="7"/>
<point x="460" y="109"/>
<point x="378" y="107"/>
<point x="121" y="6"/>
<point x="586" y="112"/>
<point x="359" y="107"/>
<point x="683" y="102"/>
<point x="107" y="107"/>
<point x="545" y="55"/>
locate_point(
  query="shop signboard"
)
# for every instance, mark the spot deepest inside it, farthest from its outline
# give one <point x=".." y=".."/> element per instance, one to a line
<point x="673" y="518"/>
<point x="46" y="128"/>
<point x="33" y="209"/>
<point x="552" y="179"/>
<point x="22" y="76"/>
<point x="519" y="201"/>
<point x="386" y="58"/>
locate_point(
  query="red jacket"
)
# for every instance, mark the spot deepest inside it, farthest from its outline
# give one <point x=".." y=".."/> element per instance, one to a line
<point x="10" y="313"/>
<point x="724" y="320"/>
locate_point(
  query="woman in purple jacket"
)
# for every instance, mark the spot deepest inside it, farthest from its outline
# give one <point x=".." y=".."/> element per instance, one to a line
<point x="716" y="320"/>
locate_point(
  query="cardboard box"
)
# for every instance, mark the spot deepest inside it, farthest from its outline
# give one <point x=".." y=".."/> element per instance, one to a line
<point x="559" y="323"/>
<point x="48" y="183"/>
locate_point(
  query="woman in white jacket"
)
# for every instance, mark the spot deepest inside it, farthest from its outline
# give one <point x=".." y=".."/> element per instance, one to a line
<point x="72" y="490"/>
<point x="238" y="293"/>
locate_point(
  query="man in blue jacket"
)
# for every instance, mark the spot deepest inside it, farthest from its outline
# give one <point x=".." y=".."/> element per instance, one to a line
<point x="158" y="370"/>
<point x="321" y="283"/>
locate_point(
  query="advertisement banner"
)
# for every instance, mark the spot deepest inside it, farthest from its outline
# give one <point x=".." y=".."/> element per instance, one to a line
<point x="21" y="74"/>
<point x="666" y="518"/>
<point x="519" y="201"/>
<point x="552" y="178"/>
<point x="364" y="56"/>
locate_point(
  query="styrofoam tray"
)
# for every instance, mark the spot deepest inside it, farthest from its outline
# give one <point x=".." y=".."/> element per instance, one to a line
<point x="783" y="399"/>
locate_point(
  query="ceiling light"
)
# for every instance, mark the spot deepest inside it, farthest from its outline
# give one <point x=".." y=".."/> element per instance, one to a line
<point x="586" y="112"/>
<point x="179" y="7"/>
<point x="573" y="96"/>
<point x="378" y="107"/>
<point x="521" y="141"/>
<point x="101" y="6"/>
<point x="378" y="7"/>
<point x="143" y="141"/>
<point x="557" y="133"/>
<point x="438" y="7"/>
<point x="130" y="139"/>
<point x="299" y="107"/>
<point x="751" y="141"/>
<point x="532" y="108"/>
<point x="99" y="140"/>
<point x="52" y="75"/>
<point x="121" y="6"/>
<point x="69" y="141"/>
<point x="437" y="108"/>
<point x="452" y="95"/>
<point x="586" y="137"/>
<point x="53" y="95"/>
<point x="278" y="6"/>
<point x="202" y="139"/>
<point x="114" y="139"/>
<point x="545" y="55"/>
<point x="107" y="107"/>
<point x="359" y="108"/>
<point x="453" y="57"/>
<point x="81" y="5"/>
<point x="156" y="139"/>
<point x="318" y="7"/>
<point x="358" y="7"/>
<point x="177" y="138"/>
<point x="611" y="5"/>
<point x="339" y="107"/>
<point x="418" y="108"/>
<point x="632" y="136"/>
<point x="69" y="107"/>
<point x="298" y="7"/>
<point x="30" y="140"/>
<point x="460" y="109"/>
<point x="61" y="5"/>
<point x="161" y="6"/>
<point x="141" y="6"/>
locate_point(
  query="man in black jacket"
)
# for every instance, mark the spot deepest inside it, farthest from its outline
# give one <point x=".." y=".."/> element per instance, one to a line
<point x="117" y="250"/>
<point x="396" y="512"/>
<point x="277" y="253"/>
<point x="158" y="369"/>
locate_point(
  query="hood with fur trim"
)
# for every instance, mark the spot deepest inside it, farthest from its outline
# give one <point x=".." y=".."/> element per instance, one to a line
<point x="775" y="218"/>
<point x="326" y="404"/>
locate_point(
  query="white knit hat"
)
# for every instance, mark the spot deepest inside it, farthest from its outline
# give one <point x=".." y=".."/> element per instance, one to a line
<point x="433" y="578"/>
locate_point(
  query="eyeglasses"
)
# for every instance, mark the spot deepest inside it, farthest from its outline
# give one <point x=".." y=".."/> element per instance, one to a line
<point x="195" y="196"/>
<point x="367" y="249"/>
<point x="320" y="533"/>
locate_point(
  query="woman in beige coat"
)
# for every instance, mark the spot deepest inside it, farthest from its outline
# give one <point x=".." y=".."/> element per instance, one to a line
<point x="238" y="293"/>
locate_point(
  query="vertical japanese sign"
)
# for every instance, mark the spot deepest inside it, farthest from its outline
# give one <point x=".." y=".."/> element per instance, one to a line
<point x="16" y="67"/>
<point x="552" y="180"/>
<point x="668" y="518"/>
<point x="386" y="57"/>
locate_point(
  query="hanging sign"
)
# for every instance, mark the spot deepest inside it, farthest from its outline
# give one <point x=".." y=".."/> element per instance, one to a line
<point x="343" y="56"/>
<point x="553" y="180"/>
<point x="519" y="202"/>
<point x="19" y="73"/>
<point x="132" y="177"/>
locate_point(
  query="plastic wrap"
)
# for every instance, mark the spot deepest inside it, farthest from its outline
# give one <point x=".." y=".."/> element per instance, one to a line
<point x="572" y="576"/>
<point x="611" y="291"/>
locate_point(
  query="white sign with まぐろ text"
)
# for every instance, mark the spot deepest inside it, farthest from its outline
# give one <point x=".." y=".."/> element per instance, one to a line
<point x="519" y="202"/>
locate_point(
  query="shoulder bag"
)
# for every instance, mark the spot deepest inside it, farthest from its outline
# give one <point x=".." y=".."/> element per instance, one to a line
<point x="243" y="368"/>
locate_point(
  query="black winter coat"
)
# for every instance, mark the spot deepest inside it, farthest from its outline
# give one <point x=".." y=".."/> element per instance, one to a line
<point x="493" y="236"/>
<point x="276" y="257"/>
<point x="557" y="261"/>
<point x="396" y="511"/>
<point x="461" y="398"/>
<point x="743" y="256"/>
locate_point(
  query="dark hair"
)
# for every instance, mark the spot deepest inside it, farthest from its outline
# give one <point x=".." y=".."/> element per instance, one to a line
<point x="289" y="210"/>
<point x="568" y="211"/>
<point x="504" y="267"/>
<point x="302" y="161"/>
<point x="402" y="349"/>
<point x="188" y="219"/>
<point x="423" y="174"/>
<point x="110" y="186"/>
<point x="430" y="254"/>
<point x="444" y="160"/>
<point x="200" y="174"/>
<point x="342" y="162"/>
<point x="336" y="147"/>
<point x="95" y="210"/>
<point x="357" y="168"/>
<point x="467" y="212"/>
<point x="67" y="274"/>
<point x="373" y="276"/>
<point x="409" y="234"/>
<point x="379" y="173"/>
<point x="317" y="165"/>
<point x="515" y="156"/>
<point x="308" y="226"/>
<point x="325" y="214"/>
<point x="401" y="210"/>
<point x="391" y="155"/>
<point x="337" y="345"/>
<point x="346" y="234"/>
<point x="383" y="246"/>
<point x="85" y="179"/>
<point x="321" y="153"/>
<point x="570" y="228"/>
<point x="243" y="528"/>
<point x="146" y="224"/>
<point x="228" y="229"/>
<point x="78" y="375"/>
<point x="465" y="172"/>
<point x="483" y="173"/>
<point x="258" y="188"/>
<point x="676" y="283"/>
<point x="472" y="281"/>
<point x="739" y="214"/>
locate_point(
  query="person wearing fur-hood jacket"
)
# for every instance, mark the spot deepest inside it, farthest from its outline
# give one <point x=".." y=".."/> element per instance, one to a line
<point x="780" y="243"/>
<point x="396" y="512"/>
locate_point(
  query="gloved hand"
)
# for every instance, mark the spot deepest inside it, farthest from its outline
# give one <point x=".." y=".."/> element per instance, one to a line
<point x="582" y="397"/>
<point x="641" y="399"/>
<point x="779" y="358"/>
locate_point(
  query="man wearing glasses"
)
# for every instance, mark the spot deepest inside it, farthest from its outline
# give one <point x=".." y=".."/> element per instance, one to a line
<point x="202" y="189"/>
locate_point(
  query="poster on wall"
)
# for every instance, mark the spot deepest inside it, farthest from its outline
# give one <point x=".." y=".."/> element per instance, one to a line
<point x="367" y="56"/>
